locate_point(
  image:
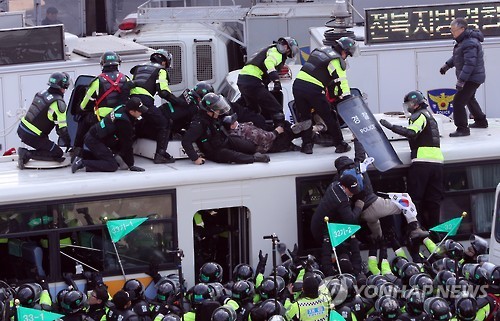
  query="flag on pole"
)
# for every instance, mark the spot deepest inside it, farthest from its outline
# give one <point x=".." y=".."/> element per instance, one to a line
<point x="404" y="203"/>
<point x="450" y="227"/>
<point x="35" y="315"/>
<point x="335" y="316"/>
<point x="340" y="232"/>
<point x="119" y="228"/>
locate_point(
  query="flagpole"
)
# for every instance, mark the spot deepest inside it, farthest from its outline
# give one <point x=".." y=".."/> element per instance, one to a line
<point x="119" y="261"/>
<point x="464" y="214"/>
<point x="326" y="219"/>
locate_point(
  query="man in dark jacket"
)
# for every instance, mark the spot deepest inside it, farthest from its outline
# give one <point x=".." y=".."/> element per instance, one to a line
<point x="113" y="134"/>
<point x="208" y="133"/>
<point x="468" y="61"/>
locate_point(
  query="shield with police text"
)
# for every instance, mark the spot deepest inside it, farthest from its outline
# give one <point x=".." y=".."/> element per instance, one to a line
<point x="441" y="100"/>
<point x="367" y="130"/>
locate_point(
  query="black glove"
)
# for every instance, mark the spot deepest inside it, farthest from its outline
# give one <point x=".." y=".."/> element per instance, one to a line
<point x="134" y="168"/>
<point x="64" y="140"/>
<point x="386" y="124"/>
<point x="294" y="254"/>
<point x="444" y="69"/>
<point x="277" y="85"/>
<point x="460" y="85"/>
<point x="261" y="267"/>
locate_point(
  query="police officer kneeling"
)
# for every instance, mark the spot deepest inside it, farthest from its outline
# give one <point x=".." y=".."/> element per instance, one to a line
<point x="113" y="132"/>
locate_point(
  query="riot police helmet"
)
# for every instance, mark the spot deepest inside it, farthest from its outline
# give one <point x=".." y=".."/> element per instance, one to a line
<point x="59" y="80"/>
<point x="272" y="307"/>
<point x="210" y="272"/>
<point x="160" y="56"/>
<point x="28" y="294"/>
<point x="269" y="289"/>
<point x="199" y="293"/>
<point x="167" y="291"/>
<point x="288" y="46"/>
<point x="437" y="308"/>
<point x="413" y="100"/>
<point x="242" y="271"/>
<point x="407" y="271"/>
<point x="110" y="58"/>
<point x="415" y="299"/>
<point x="202" y="88"/>
<point x="465" y="307"/>
<point x="397" y="263"/>
<point x="224" y="313"/>
<point x="348" y="45"/>
<point x="135" y="288"/>
<point x="171" y="317"/>
<point x="73" y="301"/>
<point x="388" y="307"/>
<point x="479" y="245"/>
<point x="243" y="290"/>
<point x="215" y="103"/>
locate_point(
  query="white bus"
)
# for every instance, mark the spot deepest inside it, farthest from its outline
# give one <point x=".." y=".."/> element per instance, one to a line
<point x="52" y="221"/>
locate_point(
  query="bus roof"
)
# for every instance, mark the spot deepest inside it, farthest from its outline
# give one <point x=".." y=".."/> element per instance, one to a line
<point x="36" y="185"/>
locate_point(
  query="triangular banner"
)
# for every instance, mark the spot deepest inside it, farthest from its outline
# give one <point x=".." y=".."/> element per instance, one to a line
<point x="34" y="314"/>
<point x="335" y="316"/>
<point x="341" y="232"/>
<point x="450" y="227"/>
<point x="119" y="228"/>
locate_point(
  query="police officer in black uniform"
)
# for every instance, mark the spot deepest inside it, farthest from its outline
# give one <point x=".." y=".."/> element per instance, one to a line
<point x="259" y="71"/>
<point x="122" y="308"/>
<point x="47" y="110"/>
<point x="326" y="65"/>
<point x="207" y="131"/>
<point x="107" y="91"/>
<point x="139" y="305"/>
<point x="112" y="134"/>
<point x="73" y="306"/>
<point x="149" y="79"/>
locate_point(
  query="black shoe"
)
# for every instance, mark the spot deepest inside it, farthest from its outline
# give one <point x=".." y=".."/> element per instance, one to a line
<point x="121" y="163"/>
<point x="323" y="139"/>
<point x="342" y="148"/>
<point x="23" y="157"/>
<point x="161" y="158"/>
<point x="479" y="124"/>
<point x="307" y="148"/>
<point x="261" y="158"/>
<point x="301" y="126"/>
<point x="416" y="231"/>
<point x="77" y="164"/>
<point x="460" y="133"/>
<point x="75" y="151"/>
<point x="293" y="148"/>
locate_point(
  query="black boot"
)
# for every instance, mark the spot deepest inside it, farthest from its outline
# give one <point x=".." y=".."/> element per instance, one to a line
<point x="162" y="157"/>
<point x="24" y="156"/>
<point x="415" y="231"/>
<point x="307" y="148"/>
<point x="261" y="158"/>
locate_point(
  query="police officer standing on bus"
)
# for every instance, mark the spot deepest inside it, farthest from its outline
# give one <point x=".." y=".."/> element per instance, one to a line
<point x="326" y="65"/>
<point x="259" y="71"/>
<point x="425" y="176"/>
<point x="47" y="110"/>
<point x="107" y="91"/>
<point x="149" y="79"/>
<point x="114" y="133"/>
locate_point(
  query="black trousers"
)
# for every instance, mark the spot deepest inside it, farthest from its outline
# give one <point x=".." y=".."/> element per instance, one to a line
<point x="104" y="160"/>
<point x="466" y="97"/>
<point x="236" y="150"/>
<point x="308" y="97"/>
<point x="45" y="149"/>
<point x="425" y="186"/>
<point x="258" y="97"/>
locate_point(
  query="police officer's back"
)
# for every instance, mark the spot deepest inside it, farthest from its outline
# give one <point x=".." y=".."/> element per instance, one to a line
<point x="122" y="308"/>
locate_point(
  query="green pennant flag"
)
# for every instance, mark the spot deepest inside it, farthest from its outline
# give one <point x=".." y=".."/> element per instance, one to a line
<point x="119" y="228"/>
<point x="341" y="232"/>
<point x="450" y="227"/>
<point x="36" y="315"/>
<point x="335" y="316"/>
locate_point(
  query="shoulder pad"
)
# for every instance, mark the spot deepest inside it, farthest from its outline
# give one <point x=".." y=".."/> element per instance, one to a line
<point x="61" y="106"/>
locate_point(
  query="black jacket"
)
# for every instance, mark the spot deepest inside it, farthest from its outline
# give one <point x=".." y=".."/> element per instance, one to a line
<point x="468" y="57"/>
<point x="206" y="132"/>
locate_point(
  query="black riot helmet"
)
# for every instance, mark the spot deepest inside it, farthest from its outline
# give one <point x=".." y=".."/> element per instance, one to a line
<point x="171" y="317"/>
<point x="413" y="100"/>
<point x="272" y="307"/>
<point x="215" y="103"/>
<point x="268" y="289"/>
<point x="454" y="250"/>
<point x="135" y="288"/>
<point x="286" y="43"/>
<point x="397" y="263"/>
<point x="423" y="282"/>
<point x="407" y="271"/>
<point x="475" y="273"/>
<point x="110" y="58"/>
<point x="160" y="56"/>
<point x="348" y="45"/>
<point x="349" y="281"/>
<point x="243" y="290"/>
<point x="442" y="277"/>
<point x="443" y="264"/>
<point x="437" y="308"/>
<point x="199" y="293"/>
<point x="224" y="313"/>
<point x="167" y="292"/>
<point x="337" y="290"/>
<point x="465" y="307"/>
<point x="59" y="80"/>
<point x="202" y="88"/>
<point x="492" y="272"/>
<point x="284" y="272"/>
<point x="479" y="245"/>
<point x="415" y="299"/>
<point x="29" y="294"/>
<point x="388" y="307"/>
<point x="453" y="282"/>
<point x="210" y="272"/>
<point x="73" y="302"/>
<point x="242" y="271"/>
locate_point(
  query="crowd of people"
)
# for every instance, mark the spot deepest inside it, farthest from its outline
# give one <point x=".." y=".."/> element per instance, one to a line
<point x="454" y="283"/>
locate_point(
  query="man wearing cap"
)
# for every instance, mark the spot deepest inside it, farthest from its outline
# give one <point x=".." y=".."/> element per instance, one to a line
<point x="113" y="135"/>
<point x="337" y="206"/>
<point x="51" y="17"/>
<point x="121" y="310"/>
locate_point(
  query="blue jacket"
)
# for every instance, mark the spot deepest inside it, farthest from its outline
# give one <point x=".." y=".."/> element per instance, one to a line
<point x="468" y="57"/>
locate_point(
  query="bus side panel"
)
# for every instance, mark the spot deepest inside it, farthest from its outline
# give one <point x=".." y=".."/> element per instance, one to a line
<point x="267" y="215"/>
<point x="495" y="232"/>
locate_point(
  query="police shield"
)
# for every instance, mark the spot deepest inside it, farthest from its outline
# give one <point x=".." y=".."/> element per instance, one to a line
<point x="367" y="130"/>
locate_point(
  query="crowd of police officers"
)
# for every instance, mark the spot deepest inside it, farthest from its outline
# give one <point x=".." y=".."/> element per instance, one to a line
<point x="454" y="283"/>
